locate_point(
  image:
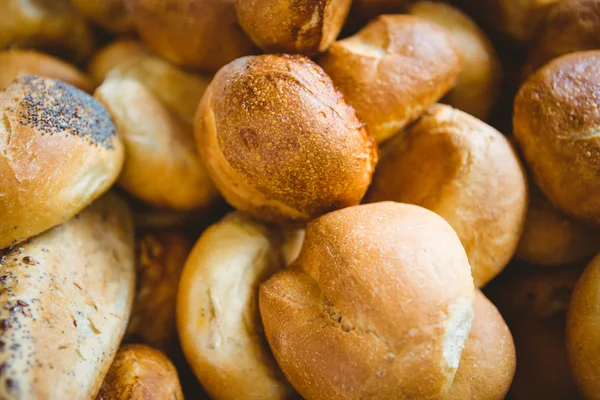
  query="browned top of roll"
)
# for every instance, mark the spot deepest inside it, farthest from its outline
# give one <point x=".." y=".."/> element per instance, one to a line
<point x="112" y="55"/>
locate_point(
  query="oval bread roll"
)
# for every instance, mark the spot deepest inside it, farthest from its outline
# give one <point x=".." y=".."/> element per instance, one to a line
<point x="66" y="297"/>
<point x="112" y="55"/>
<point x="59" y="152"/>
<point x="109" y="14"/>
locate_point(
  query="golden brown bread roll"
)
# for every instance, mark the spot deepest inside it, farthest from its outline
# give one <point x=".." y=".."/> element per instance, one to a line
<point x="291" y="26"/>
<point x="279" y="140"/>
<point x="59" y="152"/>
<point x="217" y="311"/>
<point x="478" y="85"/>
<point x="465" y="171"/>
<point x="140" y="372"/>
<point x="66" y="297"/>
<point x="393" y="70"/>
<point x="200" y="34"/>
<point x="109" y="14"/>
<point x="54" y="26"/>
<point x="552" y="239"/>
<point x="28" y="62"/>
<point x="556" y="123"/>
<point x="377" y="306"/>
<point x="113" y="54"/>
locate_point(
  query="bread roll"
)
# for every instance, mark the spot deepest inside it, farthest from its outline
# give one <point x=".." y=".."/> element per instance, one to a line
<point x="152" y="104"/>
<point x="552" y="239"/>
<point x="478" y="85"/>
<point x="217" y="311"/>
<point x="27" y="62"/>
<point x="59" y="152"/>
<point x="200" y="34"/>
<point x="66" y="297"/>
<point x="280" y="142"/>
<point x="109" y="14"/>
<point x="378" y="306"/>
<point x="290" y="26"/>
<point x="54" y="26"/>
<point x="112" y="55"/>
<point x="468" y="173"/>
<point x="556" y="123"/>
<point x="393" y="70"/>
<point x="138" y="373"/>
<point x="160" y="260"/>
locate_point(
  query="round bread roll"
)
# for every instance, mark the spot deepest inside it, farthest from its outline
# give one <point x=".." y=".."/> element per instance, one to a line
<point x="54" y="26"/>
<point x="568" y="27"/>
<point x="160" y="260"/>
<point x="468" y="173"/>
<point x="153" y="104"/>
<point x="552" y="239"/>
<point x="363" y="11"/>
<point x="59" y="152"/>
<point x="378" y="306"/>
<point x="292" y="27"/>
<point x="27" y="62"/>
<point x="393" y="70"/>
<point x="109" y="14"/>
<point x="556" y="123"/>
<point x="140" y="372"/>
<point x="65" y="299"/>
<point x="200" y="34"/>
<point x="217" y="312"/>
<point x="280" y="142"/>
<point x="112" y="55"/>
<point x="478" y="86"/>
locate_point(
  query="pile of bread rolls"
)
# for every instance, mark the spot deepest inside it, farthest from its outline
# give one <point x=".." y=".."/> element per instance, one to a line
<point x="320" y="200"/>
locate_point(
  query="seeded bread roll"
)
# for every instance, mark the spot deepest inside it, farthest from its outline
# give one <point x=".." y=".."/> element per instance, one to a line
<point x="64" y="303"/>
<point x="280" y="142"/>
<point x="109" y="14"/>
<point x="378" y="305"/>
<point x="59" y="152"/>
<point x="556" y="122"/>
<point x="393" y="70"/>
<point x="28" y="62"/>
<point x="140" y="372"/>
<point x="112" y="55"/>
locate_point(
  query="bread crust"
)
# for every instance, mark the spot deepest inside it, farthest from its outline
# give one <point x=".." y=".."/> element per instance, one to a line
<point x="112" y="55"/>
<point x="109" y="14"/>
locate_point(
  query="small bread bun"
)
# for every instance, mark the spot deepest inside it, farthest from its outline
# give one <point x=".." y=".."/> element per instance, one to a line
<point x="468" y="173"/>
<point x="58" y="152"/>
<point x="27" y="62"/>
<point x="552" y="239"/>
<point x="140" y="372"/>
<point x="378" y="306"/>
<point x="393" y="70"/>
<point x="112" y="55"/>
<point x="53" y="26"/>
<point x="153" y="104"/>
<point x="568" y="27"/>
<point x="478" y="85"/>
<point x="280" y="142"/>
<point x="109" y="14"/>
<point x="290" y="26"/>
<point x="217" y="314"/>
<point x="200" y="34"/>
<point x="160" y="260"/>
<point x="556" y="123"/>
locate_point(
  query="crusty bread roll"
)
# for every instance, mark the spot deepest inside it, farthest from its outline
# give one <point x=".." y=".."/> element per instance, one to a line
<point x="290" y="26"/>
<point x="140" y="372"/>
<point x="478" y="85"/>
<point x="65" y="300"/>
<point x="392" y="70"/>
<point x="552" y="239"/>
<point x="217" y="311"/>
<point x="59" y="152"/>
<point x="27" y="62"/>
<point x="200" y="34"/>
<point x="113" y="54"/>
<point x="279" y="140"/>
<point x="159" y="262"/>
<point x="54" y="26"/>
<point x="109" y="14"/>
<point x="556" y="122"/>
<point x="378" y="306"/>
<point x="467" y="172"/>
<point x="153" y="105"/>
